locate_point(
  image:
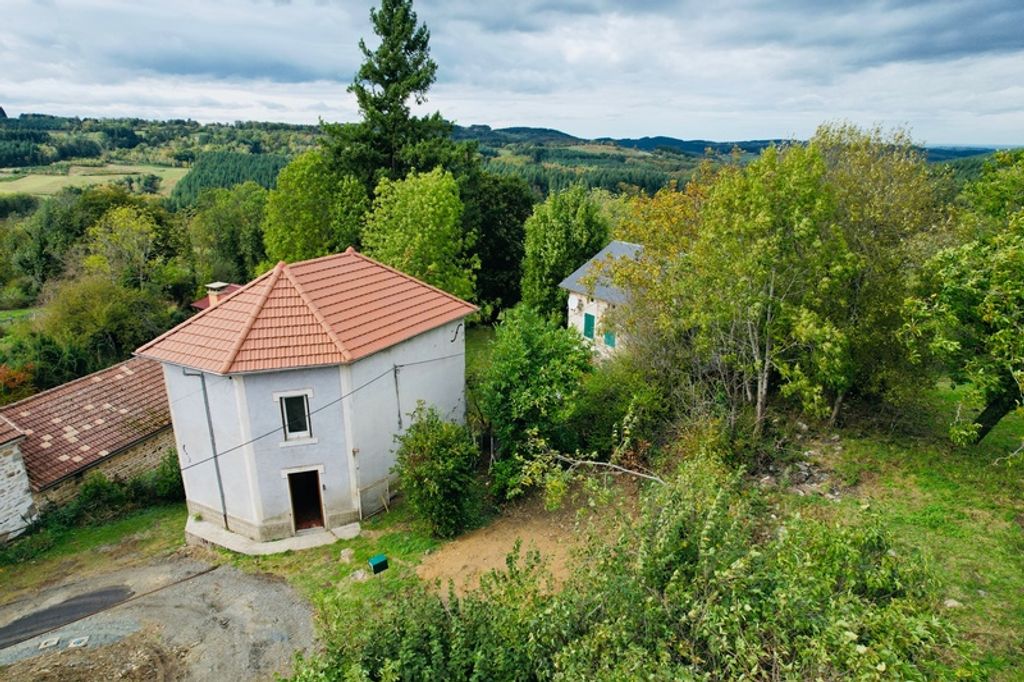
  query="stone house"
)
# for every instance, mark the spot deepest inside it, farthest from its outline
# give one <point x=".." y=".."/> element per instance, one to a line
<point x="115" y="421"/>
<point x="592" y="295"/>
<point x="286" y="395"/>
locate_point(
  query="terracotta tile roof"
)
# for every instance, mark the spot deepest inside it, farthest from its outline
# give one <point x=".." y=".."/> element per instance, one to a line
<point x="8" y="431"/>
<point x="204" y="302"/>
<point x="70" y="427"/>
<point x="326" y="311"/>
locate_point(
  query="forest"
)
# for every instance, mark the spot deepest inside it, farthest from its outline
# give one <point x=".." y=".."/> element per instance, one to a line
<point x="787" y="292"/>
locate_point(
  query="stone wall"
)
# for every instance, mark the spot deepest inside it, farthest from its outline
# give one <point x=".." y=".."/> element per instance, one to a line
<point x="16" y="505"/>
<point x="124" y="464"/>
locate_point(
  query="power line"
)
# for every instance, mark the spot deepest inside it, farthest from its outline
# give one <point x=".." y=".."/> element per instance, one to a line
<point x="322" y="407"/>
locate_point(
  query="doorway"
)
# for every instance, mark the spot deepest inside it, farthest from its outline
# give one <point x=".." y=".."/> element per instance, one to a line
<point x="307" y="509"/>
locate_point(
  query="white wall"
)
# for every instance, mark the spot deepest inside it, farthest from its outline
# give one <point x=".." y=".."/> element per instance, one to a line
<point x="192" y="438"/>
<point x="326" y="451"/>
<point x="16" y="507"/>
<point x="374" y="411"/>
<point x="352" y="441"/>
<point x="578" y="306"/>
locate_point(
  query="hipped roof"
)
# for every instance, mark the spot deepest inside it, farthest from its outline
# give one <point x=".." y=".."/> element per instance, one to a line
<point x="327" y="311"/>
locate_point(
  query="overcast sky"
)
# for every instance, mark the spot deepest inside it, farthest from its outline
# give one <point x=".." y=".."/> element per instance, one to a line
<point x="953" y="72"/>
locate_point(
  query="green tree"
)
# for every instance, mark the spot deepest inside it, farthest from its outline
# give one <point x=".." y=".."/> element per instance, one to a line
<point x="496" y="209"/>
<point x="561" y="235"/>
<point x="970" y="315"/>
<point x="390" y="141"/>
<point x="312" y="212"/>
<point x="886" y="204"/>
<point x="226" y="233"/>
<point x="528" y="390"/>
<point x="436" y="462"/>
<point x="767" y="262"/>
<point x="122" y="245"/>
<point x="416" y="227"/>
<point x="87" y="324"/>
<point x="43" y="243"/>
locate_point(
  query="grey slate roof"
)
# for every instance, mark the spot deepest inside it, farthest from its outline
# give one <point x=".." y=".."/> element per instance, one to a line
<point x="603" y="288"/>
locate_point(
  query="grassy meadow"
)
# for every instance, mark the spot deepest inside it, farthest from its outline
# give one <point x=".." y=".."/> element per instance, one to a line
<point x="45" y="182"/>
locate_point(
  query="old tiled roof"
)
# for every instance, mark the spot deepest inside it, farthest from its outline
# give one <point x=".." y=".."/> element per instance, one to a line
<point x="73" y="426"/>
<point x="204" y="302"/>
<point x="602" y="287"/>
<point x="326" y="311"/>
<point x="8" y="431"/>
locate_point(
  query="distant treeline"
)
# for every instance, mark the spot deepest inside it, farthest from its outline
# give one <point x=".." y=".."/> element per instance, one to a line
<point x="226" y="169"/>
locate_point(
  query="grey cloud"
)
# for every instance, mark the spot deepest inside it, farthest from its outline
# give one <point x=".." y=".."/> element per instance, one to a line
<point x="766" y="67"/>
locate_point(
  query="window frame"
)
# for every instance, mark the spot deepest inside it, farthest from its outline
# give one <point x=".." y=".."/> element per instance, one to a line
<point x="610" y="335"/>
<point x="290" y="436"/>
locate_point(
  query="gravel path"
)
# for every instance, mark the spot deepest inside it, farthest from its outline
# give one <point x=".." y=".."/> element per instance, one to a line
<point x="220" y="624"/>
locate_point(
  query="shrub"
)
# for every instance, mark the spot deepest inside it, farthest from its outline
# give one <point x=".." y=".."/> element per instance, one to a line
<point x="698" y="586"/>
<point x="614" y="390"/>
<point x="99" y="500"/>
<point x="436" y="466"/>
<point x="529" y="388"/>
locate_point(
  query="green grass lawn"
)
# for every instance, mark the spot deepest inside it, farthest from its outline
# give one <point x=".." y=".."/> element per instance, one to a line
<point x="319" y="573"/>
<point x="8" y="316"/>
<point x="961" y="507"/>
<point x="138" y="536"/>
<point x="44" y="184"/>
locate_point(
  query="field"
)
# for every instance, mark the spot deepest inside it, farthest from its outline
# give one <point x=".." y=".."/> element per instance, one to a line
<point x="48" y="183"/>
<point x="962" y="507"/>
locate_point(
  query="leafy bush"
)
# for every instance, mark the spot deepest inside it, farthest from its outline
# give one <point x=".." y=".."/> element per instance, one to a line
<point x="529" y="388"/>
<point x="612" y="391"/>
<point x="436" y="463"/>
<point x="99" y="500"/>
<point x="698" y="586"/>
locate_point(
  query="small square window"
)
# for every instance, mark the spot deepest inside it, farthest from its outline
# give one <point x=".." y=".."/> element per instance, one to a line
<point x="295" y="416"/>
<point x="609" y="339"/>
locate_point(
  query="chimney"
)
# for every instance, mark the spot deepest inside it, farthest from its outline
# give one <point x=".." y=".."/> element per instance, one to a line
<point x="214" y="290"/>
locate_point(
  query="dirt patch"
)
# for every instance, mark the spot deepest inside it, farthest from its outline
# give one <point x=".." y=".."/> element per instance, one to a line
<point x="465" y="559"/>
<point x="138" y="657"/>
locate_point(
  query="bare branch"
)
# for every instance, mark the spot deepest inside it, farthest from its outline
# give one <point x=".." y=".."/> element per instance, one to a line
<point x="590" y="462"/>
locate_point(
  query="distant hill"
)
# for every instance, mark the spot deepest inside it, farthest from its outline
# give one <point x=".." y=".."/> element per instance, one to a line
<point x="486" y="135"/>
<point x="221" y="153"/>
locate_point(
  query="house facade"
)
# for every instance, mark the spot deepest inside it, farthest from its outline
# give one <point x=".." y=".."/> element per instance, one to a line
<point x="287" y="394"/>
<point x="592" y="296"/>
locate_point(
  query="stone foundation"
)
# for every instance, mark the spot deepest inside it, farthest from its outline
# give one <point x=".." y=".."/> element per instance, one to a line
<point x="269" y="530"/>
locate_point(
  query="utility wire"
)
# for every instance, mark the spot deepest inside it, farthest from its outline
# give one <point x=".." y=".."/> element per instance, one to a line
<point x="312" y="412"/>
<point x="322" y="407"/>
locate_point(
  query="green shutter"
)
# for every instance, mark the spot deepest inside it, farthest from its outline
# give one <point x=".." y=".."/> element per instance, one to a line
<point x="588" y="325"/>
<point x="609" y="339"/>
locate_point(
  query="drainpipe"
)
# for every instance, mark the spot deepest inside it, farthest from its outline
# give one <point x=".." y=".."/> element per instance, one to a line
<point x="213" y="443"/>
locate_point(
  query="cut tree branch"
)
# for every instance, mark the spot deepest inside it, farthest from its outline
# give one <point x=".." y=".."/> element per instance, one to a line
<point x="608" y="465"/>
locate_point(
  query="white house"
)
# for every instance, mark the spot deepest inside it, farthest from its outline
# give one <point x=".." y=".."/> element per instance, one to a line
<point x="286" y="394"/>
<point x="592" y="295"/>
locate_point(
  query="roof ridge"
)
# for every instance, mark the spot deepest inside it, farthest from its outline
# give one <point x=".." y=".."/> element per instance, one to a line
<point x="10" y="406"/>
<point x="17" y="429"/>
<point x="275" y="275"/>
<point x="413" y="279"/>
<point x="315" y="309"/>
<point x="202" y="313"/>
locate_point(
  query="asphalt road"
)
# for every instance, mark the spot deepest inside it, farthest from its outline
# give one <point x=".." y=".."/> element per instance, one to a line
<point x="67" y="611"/>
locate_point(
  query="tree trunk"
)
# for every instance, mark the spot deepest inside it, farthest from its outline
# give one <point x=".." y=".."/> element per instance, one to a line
<point x="836" y="406"/>
<point x="997" y="408"/>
